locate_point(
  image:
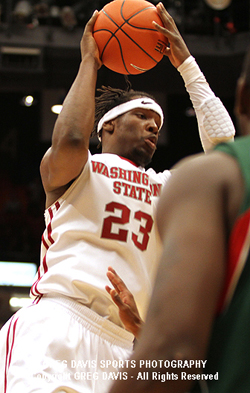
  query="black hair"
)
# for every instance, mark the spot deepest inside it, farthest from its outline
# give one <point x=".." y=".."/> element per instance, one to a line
<point x="111" y="97"/>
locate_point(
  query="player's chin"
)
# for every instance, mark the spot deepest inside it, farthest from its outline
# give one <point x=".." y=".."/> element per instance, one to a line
<point x="149" y="150"/>
<point x="144" y="157"/>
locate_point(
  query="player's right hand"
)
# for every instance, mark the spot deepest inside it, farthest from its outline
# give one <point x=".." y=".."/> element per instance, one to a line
<point x="88" y="43"/>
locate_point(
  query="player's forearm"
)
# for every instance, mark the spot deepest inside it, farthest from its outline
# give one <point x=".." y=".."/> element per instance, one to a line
<point x="214" y="122"/>
<point x="75" y="122"/>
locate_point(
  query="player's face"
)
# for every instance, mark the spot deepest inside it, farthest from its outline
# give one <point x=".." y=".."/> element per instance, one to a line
<point x="136" y="134"/>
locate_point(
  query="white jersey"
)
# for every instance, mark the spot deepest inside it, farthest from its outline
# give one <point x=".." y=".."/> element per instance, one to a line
<point x="106" y="218"/>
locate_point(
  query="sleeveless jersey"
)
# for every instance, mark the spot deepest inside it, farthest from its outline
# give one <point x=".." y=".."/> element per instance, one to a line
<point x="105" y="218"/>
<point x="228" y="358"/>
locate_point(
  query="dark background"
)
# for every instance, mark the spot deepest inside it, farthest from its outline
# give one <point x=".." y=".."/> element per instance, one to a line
<point x="217" y="39"/>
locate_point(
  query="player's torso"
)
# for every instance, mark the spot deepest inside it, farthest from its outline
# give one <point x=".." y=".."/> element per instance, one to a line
<point x="106" y="218"/>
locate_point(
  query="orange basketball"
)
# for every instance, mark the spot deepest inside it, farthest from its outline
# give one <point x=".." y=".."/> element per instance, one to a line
<point x="127" y="41"/>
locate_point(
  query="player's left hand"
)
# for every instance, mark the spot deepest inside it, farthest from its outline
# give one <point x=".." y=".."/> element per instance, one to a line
<point x="125" y="301"/>
<point x="177" y="50"/>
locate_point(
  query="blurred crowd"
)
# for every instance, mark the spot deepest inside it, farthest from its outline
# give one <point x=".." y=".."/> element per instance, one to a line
<point x="194" y="16"/>
<point x="21" y="219"/>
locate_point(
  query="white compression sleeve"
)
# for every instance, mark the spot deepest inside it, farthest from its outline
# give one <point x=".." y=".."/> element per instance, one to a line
<point x="214" y="122"/>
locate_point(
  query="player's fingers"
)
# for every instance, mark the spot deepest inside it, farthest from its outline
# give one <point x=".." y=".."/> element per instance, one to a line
<point x="168" y="34"/>
<point x="108" y="289"/>
<point x="113" y="279"/>
<point x="166" y="18"/>
<point x="167" y="52"/>
<point x="159" y="27"/>
<point x="169" y="28"/>
<point x="91" y="22"/>
<point x="116" y="299"/>
<point x="114" y="296"/>
<point x="116" y="280"/>
<point x="111" y="269"/>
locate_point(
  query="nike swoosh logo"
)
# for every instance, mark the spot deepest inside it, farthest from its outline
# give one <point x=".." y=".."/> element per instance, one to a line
<point x="138" y="68"/>
<point x="145" y="102"/>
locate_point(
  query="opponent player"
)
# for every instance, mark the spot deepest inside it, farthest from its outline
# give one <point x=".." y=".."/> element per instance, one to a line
<point x="195" y="337"/>
<point x="100" y="211"/>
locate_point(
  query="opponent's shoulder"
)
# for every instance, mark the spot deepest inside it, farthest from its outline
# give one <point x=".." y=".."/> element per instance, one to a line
<point x="204" y="180"/>
<point x="216" y="168"/>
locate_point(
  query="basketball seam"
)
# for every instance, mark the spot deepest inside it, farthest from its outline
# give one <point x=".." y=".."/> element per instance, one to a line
<point x="127" y="34"/>
<point x="120" y="28"/>
<point x="138" y="12"/>
<point x="113" y="35"/>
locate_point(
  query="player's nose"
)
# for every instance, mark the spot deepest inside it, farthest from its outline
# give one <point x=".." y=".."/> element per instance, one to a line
<point x="152" y="126"/>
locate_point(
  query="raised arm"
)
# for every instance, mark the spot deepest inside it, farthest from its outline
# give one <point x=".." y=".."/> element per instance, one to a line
<point x="68" y="154"/>
<point x="214" y="122"/>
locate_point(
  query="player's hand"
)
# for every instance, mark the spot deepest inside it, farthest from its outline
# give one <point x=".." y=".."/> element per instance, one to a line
<point x="88" y="43"/>
<point x="177" y="50"/>
<point x="125" y="301"/>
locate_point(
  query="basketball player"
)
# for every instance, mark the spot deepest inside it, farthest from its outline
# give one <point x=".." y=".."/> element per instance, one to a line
<point x="100" y="211"/>
<point x="196" y="335"/>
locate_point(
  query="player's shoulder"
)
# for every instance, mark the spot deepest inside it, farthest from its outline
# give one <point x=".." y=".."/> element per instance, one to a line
<point x="214" y="179"/>
<point x="204" y="172"/>
<point x="214" y="163"/>
<point x="160" y="177"/>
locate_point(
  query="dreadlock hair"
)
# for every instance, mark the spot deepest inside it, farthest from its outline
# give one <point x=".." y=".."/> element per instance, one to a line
<point x="111" y="97"/>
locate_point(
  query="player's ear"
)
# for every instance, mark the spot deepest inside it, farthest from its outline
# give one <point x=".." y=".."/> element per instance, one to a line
<point x="108" y="126"/>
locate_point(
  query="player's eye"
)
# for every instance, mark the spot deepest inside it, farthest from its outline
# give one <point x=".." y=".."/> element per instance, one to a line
<point x="141" y="115"/>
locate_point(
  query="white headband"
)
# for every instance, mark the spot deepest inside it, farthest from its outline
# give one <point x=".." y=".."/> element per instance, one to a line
<point x="143" y="102"/>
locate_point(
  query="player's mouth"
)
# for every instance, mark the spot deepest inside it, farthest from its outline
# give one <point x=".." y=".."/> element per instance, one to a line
<point x="151" y="141"/>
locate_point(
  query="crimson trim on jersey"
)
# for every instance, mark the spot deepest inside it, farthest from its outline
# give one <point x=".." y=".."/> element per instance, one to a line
<point x="238" y="249"/>
<point x="37" y="299"/>
<point x="46" y="239"/>
<point x="9" y="348"/>
<point x="131" y="162"/>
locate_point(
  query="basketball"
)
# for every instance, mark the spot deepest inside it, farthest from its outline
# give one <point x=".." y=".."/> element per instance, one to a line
<point x="127" y="41"/>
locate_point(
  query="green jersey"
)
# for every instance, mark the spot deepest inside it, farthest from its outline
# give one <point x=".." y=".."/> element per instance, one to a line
<point x="228" y="361"/>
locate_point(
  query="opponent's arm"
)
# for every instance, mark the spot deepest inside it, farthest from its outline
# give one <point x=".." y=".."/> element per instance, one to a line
<point x="68" y="154"/>
<point x="214" y="122"/>
<point x="196" y="211"/>
<point x="125" y="301"/>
